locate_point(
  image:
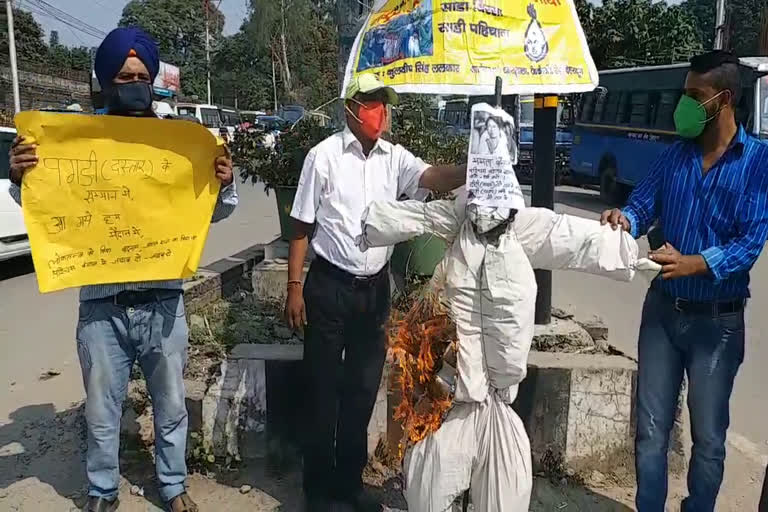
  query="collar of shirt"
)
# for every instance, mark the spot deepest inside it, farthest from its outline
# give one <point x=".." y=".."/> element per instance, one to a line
<point x="349" y="140"/>
<point x="735" y="148"/>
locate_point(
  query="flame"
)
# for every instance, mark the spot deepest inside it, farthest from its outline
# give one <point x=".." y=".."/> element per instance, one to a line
<point x="418" y="344"/>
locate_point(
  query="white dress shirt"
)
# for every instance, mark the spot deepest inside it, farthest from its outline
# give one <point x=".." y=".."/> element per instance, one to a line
<point x="337" y="184"/>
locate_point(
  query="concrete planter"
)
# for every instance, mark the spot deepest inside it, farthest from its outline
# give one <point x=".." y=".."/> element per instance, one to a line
<point x="255" y="408"/>
<point x="418" y="257"/>
<point x="579" y="412"/>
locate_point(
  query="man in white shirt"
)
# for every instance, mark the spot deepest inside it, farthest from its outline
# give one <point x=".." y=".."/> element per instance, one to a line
<point x="345" y="301"/>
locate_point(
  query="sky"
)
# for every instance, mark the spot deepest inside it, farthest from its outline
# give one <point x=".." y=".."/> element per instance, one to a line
<point x="104" y="15"/>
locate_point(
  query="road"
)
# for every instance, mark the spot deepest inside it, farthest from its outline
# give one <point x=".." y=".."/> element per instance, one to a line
<point x="37" y="331"/>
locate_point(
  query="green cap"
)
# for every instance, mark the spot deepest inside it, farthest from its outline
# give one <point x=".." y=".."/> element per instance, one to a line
<point x="367" y="83"/>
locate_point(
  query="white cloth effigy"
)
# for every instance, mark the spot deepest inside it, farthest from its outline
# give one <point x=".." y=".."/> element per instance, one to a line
<point x="491" y="293"/>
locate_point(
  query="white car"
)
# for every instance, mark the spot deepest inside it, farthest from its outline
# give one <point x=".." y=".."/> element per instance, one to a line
<point x="13" y="234"/>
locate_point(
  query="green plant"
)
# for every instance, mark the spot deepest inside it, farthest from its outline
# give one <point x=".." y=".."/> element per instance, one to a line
<point x="200" y="456"/>
<point x="416" y="129"/>
<point x="278" y="166"/>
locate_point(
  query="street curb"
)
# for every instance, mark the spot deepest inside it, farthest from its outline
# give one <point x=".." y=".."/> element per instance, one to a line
<point x="222" y="278"/>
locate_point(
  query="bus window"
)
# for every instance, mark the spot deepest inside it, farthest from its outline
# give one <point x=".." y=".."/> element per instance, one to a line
<point x="587" y="107"/>
<point x="639" y="109"/>
<point x="526" y="110"/>
<point x="210" y="117"/>
<point x="611" y="107"/>
<point x="666" y="110"/>
<point x="597" y="116"/>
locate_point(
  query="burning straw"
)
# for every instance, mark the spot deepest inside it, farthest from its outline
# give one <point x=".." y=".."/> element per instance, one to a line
<point x="421" y="342"/>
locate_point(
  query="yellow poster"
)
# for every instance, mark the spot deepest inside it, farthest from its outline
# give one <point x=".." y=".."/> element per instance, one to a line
<point x="116" y="199"/>
<point x="460" y="47"/>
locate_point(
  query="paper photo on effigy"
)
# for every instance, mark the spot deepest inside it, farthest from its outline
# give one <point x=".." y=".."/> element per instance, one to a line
<point x="491" y="178"/>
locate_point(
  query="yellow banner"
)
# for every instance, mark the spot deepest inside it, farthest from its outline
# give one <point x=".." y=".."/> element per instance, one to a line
<point x="116" y="199"/>
<point x="460" y="47"/>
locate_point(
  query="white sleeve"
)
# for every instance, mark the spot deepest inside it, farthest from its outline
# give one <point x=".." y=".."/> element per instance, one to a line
<point x="15" y="191"/>
<point x="566" y="242"/>
<point x="225" y="202"/>
<point x="307" y="199"/>
<point x="410" y="168"/>
<point x="386" y="223"/>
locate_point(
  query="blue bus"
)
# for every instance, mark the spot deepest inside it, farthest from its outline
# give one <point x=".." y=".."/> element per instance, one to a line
<point x="623" y="126"/>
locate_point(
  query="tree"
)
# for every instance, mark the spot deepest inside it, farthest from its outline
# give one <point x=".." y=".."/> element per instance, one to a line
<point x="626" y="33"/>
<point x="243" y="75"/>
<point x="178" y="26"/>
<point x="742" y="24"/>
<point x="54" y="40"/>
<point x="30" y="45"/>
<point x="297" y="36"/>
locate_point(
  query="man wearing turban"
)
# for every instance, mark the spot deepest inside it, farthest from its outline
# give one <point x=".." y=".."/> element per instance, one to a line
<point x="121" y="323"/>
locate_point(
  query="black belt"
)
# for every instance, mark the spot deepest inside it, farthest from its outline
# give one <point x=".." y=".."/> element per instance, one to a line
<point x="135" y="298"/>
<point x="326" y="266"/>
<point x="713" y="309"/>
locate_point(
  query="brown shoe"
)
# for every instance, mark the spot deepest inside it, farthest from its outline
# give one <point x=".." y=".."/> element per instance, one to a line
<point x="182" y="503"/>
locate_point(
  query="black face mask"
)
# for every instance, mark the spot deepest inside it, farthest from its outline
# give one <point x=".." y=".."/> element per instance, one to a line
<point x="131" y="99"/>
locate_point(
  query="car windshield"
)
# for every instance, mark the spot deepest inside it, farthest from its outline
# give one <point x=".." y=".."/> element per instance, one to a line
<point x="272" y="123"/>
<point x="5" y="147"/>
<point x="211" y="117"/>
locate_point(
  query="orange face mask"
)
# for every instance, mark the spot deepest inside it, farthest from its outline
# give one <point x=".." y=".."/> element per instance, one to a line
<point x="372" y="116"/>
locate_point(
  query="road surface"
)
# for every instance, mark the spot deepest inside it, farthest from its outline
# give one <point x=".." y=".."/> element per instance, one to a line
<point x="37" y="331"/>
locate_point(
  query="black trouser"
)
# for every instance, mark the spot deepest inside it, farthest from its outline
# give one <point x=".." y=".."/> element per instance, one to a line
<point x="344" y="315"/>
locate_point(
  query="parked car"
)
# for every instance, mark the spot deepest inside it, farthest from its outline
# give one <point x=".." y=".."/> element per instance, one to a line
<point x="291" y="113"/>
<point x="13" y="233"/>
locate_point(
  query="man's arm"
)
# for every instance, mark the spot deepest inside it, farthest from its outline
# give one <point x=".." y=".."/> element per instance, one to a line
<point x="443" y="178"/>
<point x="227" y="199"/>
<point x="737" y="255"/>
<point x="304" y="209"/>
<point x="295" y="310"/>
<point x="416" y="178"/>
<point x="640" y="212"/>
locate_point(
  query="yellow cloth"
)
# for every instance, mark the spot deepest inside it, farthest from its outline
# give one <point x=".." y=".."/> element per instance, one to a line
<point x="460" y="47"/>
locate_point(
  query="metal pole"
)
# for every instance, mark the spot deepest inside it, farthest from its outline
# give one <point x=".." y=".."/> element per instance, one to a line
<point x="720" y="25"/>
<point x="498" y="92"/>
<point x="208" y="51"/>
<point x="12" y="52"/>
<point x="274" y="82"/>
<point x="543" y="192"/>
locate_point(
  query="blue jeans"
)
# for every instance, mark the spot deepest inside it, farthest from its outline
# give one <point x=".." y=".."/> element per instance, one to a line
<point x="709" y="349"/>
<point x="109" y="339"/>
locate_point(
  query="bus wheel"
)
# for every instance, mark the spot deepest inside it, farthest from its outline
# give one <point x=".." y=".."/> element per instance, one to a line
<point x="609" y="188"/>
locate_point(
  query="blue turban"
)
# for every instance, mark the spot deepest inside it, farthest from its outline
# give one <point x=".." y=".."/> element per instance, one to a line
<point x="116" y="47"/>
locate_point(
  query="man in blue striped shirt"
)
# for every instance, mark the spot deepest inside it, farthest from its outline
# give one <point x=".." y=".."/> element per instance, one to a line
<point x="709" y="193"/>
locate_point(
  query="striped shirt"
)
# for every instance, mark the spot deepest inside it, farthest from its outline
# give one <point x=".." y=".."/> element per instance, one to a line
<point x="722" y="215"/>
<point x="225" y="205"/>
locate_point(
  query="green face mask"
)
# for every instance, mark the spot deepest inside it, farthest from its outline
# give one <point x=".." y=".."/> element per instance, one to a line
<point x="691" y="116"/>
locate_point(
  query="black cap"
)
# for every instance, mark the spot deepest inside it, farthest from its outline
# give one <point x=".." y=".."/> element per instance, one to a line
<point x="708" y="61"/>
